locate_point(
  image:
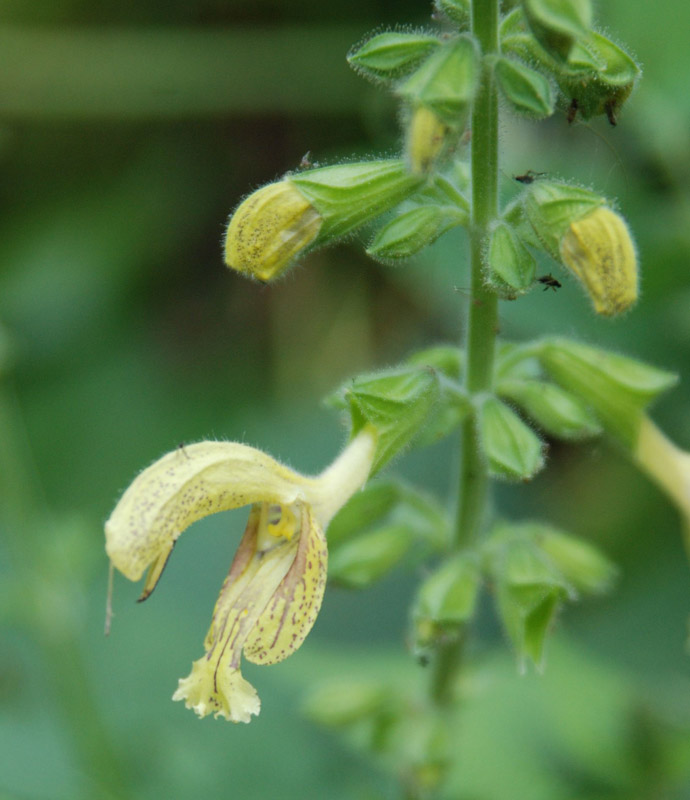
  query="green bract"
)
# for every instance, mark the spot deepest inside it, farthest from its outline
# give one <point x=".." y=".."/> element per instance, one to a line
<point x="348" y="195"/>
<point x="616" y="387"/>
<point x="551" y="208"/>
<point x="362" y="561"/>
<point x="603" y="90"/>
<point x="512" y="449"/>
<point x="445" y="600"/>
<point x="557" y="412"/>
<point x="397" y="403"/>
<point x="457" y="11"/>
<point x="557" y="24"/>
<point x="529" y="591"/>
<point x="389" y="56"/>
<point x="509" y="266"/>
<point x="413" y="230"/>
<point x="344" y="702"/>
<point x="583" y="566"/>
<point x="446" y="81"/>
<point x="527" y="91"/>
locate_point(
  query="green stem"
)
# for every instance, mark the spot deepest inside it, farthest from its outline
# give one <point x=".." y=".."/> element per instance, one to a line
<point x="482" y="325"/>
<point x="483" y="306"/>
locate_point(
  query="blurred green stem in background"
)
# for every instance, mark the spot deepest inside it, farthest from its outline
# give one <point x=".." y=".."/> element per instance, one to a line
<point x="49" y="588"/>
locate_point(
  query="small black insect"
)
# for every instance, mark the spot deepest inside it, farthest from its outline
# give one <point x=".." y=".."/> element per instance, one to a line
<point x="572" y="110"/>
<point x="549" y="282"/>
<point x="529" y="177"/>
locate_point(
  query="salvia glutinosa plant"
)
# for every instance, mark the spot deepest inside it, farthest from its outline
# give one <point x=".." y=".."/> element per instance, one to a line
<point x="534" y="59"/>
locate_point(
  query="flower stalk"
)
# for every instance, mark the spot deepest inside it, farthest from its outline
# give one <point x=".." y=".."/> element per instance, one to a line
<point x="482" y="325"/>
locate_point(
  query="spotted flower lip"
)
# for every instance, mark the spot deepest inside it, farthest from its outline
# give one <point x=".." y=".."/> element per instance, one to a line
<point x="273" y="592"/>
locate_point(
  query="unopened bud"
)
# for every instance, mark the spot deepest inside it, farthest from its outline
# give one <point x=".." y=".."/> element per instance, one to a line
<point x="446" y="81"/>
<point x="598" y="248"/>
<point x="576" y="228"/>
<point x="425" y="138"/>
<point x="270" y="228"/>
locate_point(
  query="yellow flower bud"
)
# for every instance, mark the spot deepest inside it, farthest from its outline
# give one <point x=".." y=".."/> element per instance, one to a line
<point x="598" y="248"/>
<point x="426" y="135"/>
<point x="270" y="228"/>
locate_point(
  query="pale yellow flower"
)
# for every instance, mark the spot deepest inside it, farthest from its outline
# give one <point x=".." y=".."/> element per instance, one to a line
<point x="271" y="597"/>
<point x="599" y="249"/>
<point x="667" y="465"/>
<point x="269" y="229"/>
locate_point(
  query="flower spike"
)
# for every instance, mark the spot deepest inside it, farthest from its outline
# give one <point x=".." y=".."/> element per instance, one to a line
<point x="273" y="592"/>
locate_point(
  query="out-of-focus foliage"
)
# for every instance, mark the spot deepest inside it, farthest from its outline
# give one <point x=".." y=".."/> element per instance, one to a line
<point x="127" y="134"/>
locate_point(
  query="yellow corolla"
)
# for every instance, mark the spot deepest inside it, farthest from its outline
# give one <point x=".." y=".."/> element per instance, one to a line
<point x="667" y="465"/>
<point x="599" y="249"/>
<point x="271" y="597"/>
<point x="269" y="229"/>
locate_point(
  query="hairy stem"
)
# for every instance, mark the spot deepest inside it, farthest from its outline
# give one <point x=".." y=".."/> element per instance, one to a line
<point x="482" y="324"/>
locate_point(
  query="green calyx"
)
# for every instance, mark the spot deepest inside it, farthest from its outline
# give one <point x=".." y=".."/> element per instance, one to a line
<point x="551" y="208"/>
<point x="397" y="403"/>
<point x="446" y="82"/>
<point x="412" y="230"/>
<point x="527" y="91"/>
<point x="558" y="24"/>
<point x="347" y="196"/>
<point x="513" y="451"/>
<point x="617" y="388"/>
<point x="391" y="55"/>
<point x="509" y="267"/>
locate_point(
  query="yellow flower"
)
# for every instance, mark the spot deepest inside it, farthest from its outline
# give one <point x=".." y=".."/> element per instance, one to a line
<point x="426" y="135"/>
<point x="273" y="592"/>
<point x="599" y="249"/>
<point x="269" y="229"/>
<point x="667" y="465"/>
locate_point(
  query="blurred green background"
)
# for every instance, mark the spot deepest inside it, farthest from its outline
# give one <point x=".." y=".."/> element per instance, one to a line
<point x="128" y="131"/>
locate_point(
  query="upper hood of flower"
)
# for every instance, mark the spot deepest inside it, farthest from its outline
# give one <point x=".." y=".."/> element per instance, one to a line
<point x="201" y="479"/>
